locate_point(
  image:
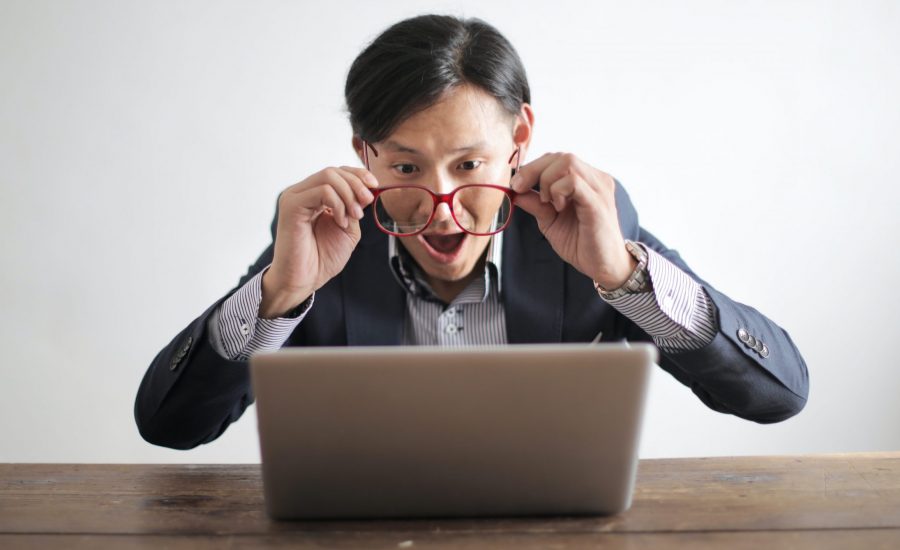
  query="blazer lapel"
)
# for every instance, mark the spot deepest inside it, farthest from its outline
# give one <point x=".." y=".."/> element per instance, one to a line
<point x="533" y="284"/>
<point x="374" y="304"/>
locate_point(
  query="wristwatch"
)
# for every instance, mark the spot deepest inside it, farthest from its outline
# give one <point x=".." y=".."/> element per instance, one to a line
<point x="638" y="281"/>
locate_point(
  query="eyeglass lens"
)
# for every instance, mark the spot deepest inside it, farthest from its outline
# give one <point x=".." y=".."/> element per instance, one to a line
<point x="476" y="209"/>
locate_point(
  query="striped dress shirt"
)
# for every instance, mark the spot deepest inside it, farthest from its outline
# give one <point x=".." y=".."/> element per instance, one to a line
<point x="676" y="313"/>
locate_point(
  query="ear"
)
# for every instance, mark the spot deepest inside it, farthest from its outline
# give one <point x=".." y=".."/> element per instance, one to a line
<point x="523" y="129"/>
<point x="358" y="145"/>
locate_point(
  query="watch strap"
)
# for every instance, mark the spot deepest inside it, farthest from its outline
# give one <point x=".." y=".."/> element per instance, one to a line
<point x="638" y="281"/>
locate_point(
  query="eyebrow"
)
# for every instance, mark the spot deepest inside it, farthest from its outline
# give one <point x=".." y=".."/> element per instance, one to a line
<point x="400" y="148"/>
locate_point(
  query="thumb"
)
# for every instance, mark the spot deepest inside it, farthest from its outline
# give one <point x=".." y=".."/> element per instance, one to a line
<point x="543" y="212"/>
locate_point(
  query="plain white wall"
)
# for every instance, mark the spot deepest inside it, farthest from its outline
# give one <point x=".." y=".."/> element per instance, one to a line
<point x="143" y="144"/>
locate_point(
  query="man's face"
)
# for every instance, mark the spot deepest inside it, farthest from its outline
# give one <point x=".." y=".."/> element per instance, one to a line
<point x="465" y="138"/>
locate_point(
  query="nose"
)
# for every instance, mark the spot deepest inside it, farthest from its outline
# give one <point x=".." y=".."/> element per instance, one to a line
<point x="442" y="214"/>
<point x="443" y="185"/>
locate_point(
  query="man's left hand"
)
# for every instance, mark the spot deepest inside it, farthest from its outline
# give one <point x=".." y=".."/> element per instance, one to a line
<point x="576" y="211"/>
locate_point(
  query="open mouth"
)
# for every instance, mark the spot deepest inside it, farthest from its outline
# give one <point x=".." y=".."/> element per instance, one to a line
<point x="443" y="247"/>
<point x="445" y="244"/>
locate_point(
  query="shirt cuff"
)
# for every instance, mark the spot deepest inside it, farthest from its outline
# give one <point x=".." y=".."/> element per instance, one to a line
<point x="237" y="331"/>
<point x="677" y="313"/>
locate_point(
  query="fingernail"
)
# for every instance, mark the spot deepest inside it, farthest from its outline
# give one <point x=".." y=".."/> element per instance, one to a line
<point x="357" y="211"/>
<point x="515" y="181"/>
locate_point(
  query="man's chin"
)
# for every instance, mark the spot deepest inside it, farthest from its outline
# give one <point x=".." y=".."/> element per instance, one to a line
<point x="444" y="272"/>
<point x="456" y="270"/>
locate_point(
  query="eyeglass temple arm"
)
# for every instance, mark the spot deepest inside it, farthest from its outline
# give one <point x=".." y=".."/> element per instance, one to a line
<point x="518" y="158"/>
<point x="366" y="147"/>
<point x="517" y="155"/>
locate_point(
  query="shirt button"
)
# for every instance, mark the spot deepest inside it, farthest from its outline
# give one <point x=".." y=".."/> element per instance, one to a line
<point x="451" y="329"/>
<point x="245" y="329"/>
<point x="667" y="301"/>
<point x="451" y="312"/>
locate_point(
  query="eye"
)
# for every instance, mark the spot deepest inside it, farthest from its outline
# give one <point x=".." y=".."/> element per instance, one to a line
<point x="470" y="164"/>
<point x="405" y="168"/>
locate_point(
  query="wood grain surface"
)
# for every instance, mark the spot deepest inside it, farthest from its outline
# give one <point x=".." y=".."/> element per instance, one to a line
<point x="815" y="501"/>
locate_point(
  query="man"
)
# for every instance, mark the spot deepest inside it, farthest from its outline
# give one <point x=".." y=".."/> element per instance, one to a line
<point x="422" y="247"/>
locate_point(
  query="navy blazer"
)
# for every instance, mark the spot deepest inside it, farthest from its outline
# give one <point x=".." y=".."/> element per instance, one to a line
<point x="190" y="394"/>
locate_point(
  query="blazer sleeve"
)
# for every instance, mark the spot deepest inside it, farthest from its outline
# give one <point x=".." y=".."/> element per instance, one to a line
<point x="730" y="374"/>
<point x="190" y="393"/>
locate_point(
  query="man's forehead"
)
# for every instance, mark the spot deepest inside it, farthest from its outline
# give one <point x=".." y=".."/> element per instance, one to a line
<point x="465" y="119"/>
<point x="394" y="145"/>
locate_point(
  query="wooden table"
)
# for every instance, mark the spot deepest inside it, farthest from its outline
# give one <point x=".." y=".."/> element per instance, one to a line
<point x="818" y="501"/>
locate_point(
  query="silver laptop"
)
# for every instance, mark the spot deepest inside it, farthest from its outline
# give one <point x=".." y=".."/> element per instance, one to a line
<point x="519" y="430"/>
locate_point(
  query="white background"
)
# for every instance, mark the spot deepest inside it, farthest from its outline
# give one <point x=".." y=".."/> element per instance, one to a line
<point x="143" y="144"/>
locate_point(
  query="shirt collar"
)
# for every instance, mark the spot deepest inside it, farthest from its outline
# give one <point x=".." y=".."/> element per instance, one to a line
<point x="409" y="276"/>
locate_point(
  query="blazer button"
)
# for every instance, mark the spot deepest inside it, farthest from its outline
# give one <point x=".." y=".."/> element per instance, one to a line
<point x="175" y="362"/>
<point x="751" y="342"/>
<point x="743" y="335"/>
<point x="759" y="346"/>
<point x="764" y="351"/>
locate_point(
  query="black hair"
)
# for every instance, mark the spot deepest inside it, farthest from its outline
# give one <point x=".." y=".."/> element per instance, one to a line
<point x="409" y="66"/>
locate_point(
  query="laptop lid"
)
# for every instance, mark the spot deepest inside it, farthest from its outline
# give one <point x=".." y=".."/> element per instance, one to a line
<point x="378" y="432"/>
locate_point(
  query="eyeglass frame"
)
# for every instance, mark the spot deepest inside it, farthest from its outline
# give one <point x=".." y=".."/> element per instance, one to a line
<point x="443" y="198"/>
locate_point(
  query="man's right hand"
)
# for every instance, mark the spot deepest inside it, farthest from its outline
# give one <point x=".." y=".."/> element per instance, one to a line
<point x="318" y="228"/>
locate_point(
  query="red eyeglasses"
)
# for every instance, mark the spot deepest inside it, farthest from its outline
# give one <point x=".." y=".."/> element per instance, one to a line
<point x="478" y="208"/>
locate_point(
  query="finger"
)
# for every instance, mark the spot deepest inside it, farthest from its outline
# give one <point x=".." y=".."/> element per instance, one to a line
<point x="361" y="180"/>
<point x="565" y="164"/>
<point x="542" y="212"/>
<point x="365" y="175"/>
<point x="360" y="191"/>
<point x="339" y="181"/>
<point x="559" y="192"/>
<point x="330" y="199"/>
<point x="573" y="190"/>
<point x="529" y="174"/>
